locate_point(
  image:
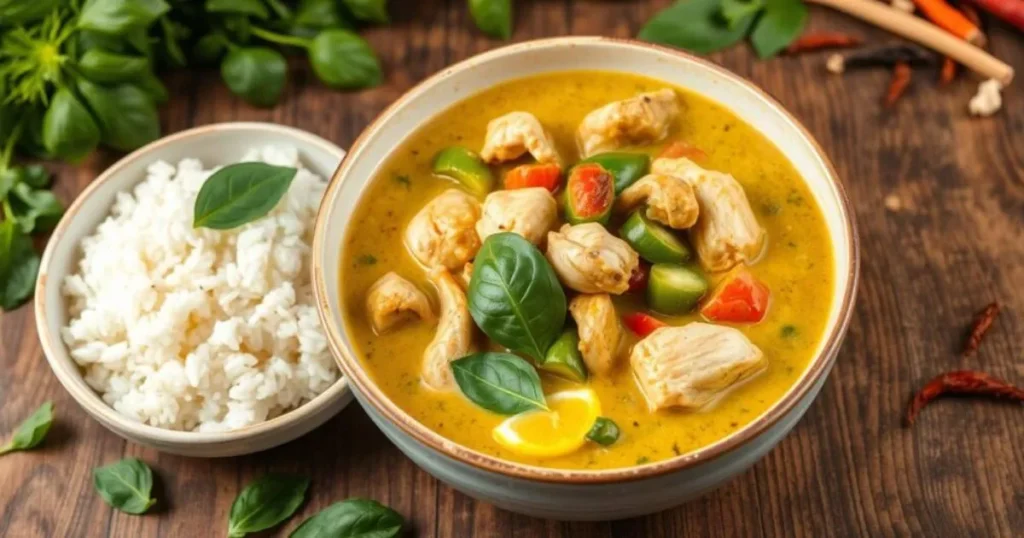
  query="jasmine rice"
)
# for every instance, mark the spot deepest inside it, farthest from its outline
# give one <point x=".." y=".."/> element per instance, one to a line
<point x="198" y="329"/>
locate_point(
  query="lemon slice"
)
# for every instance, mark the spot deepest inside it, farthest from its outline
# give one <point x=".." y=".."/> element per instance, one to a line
<point x="557" y="432"/>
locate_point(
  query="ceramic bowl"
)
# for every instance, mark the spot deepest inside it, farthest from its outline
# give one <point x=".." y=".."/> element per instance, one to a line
<point x="579" y="494"/>
<point x="213" y="145"/>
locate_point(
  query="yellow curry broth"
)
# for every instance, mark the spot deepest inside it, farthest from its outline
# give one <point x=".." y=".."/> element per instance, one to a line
<point x="796" y="266"/>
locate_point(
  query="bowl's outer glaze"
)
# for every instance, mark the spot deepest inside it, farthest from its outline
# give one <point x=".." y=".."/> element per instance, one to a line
<point x="213" y="145"/>
<point x="566" y="494"/>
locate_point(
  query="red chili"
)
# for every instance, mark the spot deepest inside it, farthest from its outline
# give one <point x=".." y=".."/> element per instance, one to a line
<point x="680" y="148"/>
<point x="982" y="323"/>
<point x="898" y="84"/>
<point x="1011" y="11"/>
<point x="961" y="382"/>
<point x="642" y="324"/>
<point x="948" y="72"/>
<point x="822" y="41"/>
<point x="638" y="278"/>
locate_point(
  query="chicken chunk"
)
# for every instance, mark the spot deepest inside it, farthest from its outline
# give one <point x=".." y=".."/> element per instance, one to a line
<point x="690" y="366"/>
<point x="642" y="119"/>
<point x="443" y="233"/>
<point x="454" y="338"/>
<point x="516" y="133"/>
<point x="600" y="332"/>
<point x="670" y="200"/>
<point x="726" y="232"/>
<point x="393" y="300"/>
<point x="588" y="259"/>
<point x="530" y="213"/>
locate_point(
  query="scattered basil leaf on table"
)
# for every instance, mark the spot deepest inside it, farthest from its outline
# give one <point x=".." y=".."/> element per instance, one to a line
<point x="342" y="59"/>
<point x="781" y="22"/>
<point x="125" y="485"/>
<point x="352" y="518"/>
<point x="126" y="115"/>
<point x="500" y="382"/>
<point x="19" y="265"/>
<point x="69" y="131"/>
<point x="32" y="431"/>
<point x="240" y="193"/>
<point x="253" y="8"/>
<point x="515" y="297"/>
<point x="492" y="17"/>
<point x="256" y="74"/>
<point x="695" y="25"/>
<point x="604" y="432"/>
<point x="368" y="10"/>
<point x="736" y="11"/>
<point x="120" y="16"/>
<point x="265" y="503"/>
<point x="106" y="67"/>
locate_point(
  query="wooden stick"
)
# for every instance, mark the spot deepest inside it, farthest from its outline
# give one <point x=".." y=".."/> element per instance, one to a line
<point x="925" y="33"/>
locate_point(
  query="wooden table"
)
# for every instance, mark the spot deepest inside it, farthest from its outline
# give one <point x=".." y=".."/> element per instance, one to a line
<point x="950" y="239"/>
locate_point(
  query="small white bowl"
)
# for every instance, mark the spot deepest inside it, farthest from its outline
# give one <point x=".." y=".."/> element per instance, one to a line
<point x="213" y="145"/>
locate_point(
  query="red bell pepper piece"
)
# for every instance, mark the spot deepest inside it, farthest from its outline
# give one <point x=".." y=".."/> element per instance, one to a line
<point x="642" y="324"/>
<point x="638" y="278"/>
<point x="680" y="148"/>
<point x="548" y="176"/>
<point x="740" y="298"/>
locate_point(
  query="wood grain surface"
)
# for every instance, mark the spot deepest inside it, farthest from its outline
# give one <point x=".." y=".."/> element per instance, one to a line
<point x="953" y="242"/>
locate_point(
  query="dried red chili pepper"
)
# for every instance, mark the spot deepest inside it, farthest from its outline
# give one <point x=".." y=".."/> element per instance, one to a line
<point x="982" y="323"/>
<point x="948" y="71"/>
<point x="898" y="84"/>
<point x="822" y="41"/>
<point x="960" y="382"/>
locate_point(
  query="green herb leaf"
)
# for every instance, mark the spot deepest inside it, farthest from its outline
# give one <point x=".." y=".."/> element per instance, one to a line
<point x="36" y="176"/>
<point x="265" y="503"/>
<point x="368" y="10"/>
<point x="256" y="74"/>
<point x="500" y="382"/>
<point x="120" y="16"/>
<point x="492" y="17"/>
<point x="781" y="23"/>
<point x="604" y="432"/>
<point x="9" y="177"/>
<point x="152" y="87"/>
<point x="352" y="518"/>
<point x="210" y="47"/>
<point x="515" y="297"/>
<point x="737" y="11"/>
<point x="695" y="25"/>
<point x="126" y="115"/>
<point x="110" y="67"/>
<point x="32" y="431"/>
<point x="19" y="265"/>
<point x="125" y="485"/>
<point x="253" y="8"/>
<point x="319" y="14"/>
<point x="69" y="131"/>
<point x="240" y="193"/>
<point x="343" y="60"/>
<point x="19" y="12"/>
<point x="36" y="210"/>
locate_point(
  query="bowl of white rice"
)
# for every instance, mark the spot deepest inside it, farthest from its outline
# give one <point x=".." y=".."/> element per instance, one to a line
<point x="193" y="341"/>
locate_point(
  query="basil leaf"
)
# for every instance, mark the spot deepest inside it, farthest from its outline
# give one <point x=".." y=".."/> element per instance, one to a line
<point x="500" y="382"/>
<point x="37" y="210"/>
<point x="254" y="8"/>
<point x="343" y="60"/>
<point x="781" y="23"/>
<point x="265" y="503"/>
<point x="240" y="193"/>
<point x="126" y="115"/>
<point x="368" y="10"/>
<point x="125" y="485"/>
<point x="32" y="431"/>
<point x="492" y="17"/>
<point x="515" y="297"/>
<point x="319" y="14"/>
<point x="695" y="25"/>
<point x="604" y="432"/>
<point x="18" y="12"/>
<point x="120" y="16"/>
<point x="19" y="266"/>
<point x="36" y="176"/>
<point x="210" y="47"/>
<point x="256" y="74"/>
<point x="88" y="40"/>
<point x="352" y="518"/>
<point x="736" y="11"/>
<point x="109" y="67"/>
<point x="9" y="177"/>
<point x="152" y="87"/>
<point x="69" y="131"/>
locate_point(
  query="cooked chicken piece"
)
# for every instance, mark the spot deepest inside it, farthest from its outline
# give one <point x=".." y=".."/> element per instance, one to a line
<point x="599" y="329"/>
<point x="588" y="259"/>
<point x="512" y="135"/>
<point x="689" y="366"/>
<point x="442" y="234"/>
<point x="530" y="213"/>
<point x="454" y="338"/>
<point x="670" y="200"/>
<point x="642" y="119"/>
<point x="466" y="275"/>
<point x="393" y="300"/>
<point x="726" y="232"/>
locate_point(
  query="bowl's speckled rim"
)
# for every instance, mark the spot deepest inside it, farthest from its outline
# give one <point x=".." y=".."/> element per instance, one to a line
<point x="820" y="365"/>
<point x="67" y="372"/>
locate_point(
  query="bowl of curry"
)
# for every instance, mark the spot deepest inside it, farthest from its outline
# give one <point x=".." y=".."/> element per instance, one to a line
<point x="585" y="278"/>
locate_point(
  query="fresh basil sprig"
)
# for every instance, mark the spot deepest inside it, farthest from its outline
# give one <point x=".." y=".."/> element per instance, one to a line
<point x="500" y="382"/>
<point x="492" y="17"/>
<point x="240" y="193"/>
<point x="125" y="485"/>
<point x="265" y="503"/>
<point x="256" y="74"/>
<point x="352" y="518"/>
<point x="32" y="431"/>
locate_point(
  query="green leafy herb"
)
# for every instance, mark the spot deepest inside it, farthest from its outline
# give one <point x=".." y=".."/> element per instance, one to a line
<point x="404" y="180"/>
<point x="240" y="193"/>
<point x="604" y="432"/>
<point x="69" y="131"/>
<point x="254" y="8"/>
<point x="515" y="297"/>
<point x="342" y="59"/>
<point x="126" y="115"/>
<point x="500" y="382"/>
<point x="256" y="74"/>
<point x="367" y="259"/>
<point x="736" y="11"/>
<point x="35" y="176"/>
<point x="696" y="25"/>
<point x="106" y="67"/>
<point x="265" y="503"/>
<point x="788" y="331"/>
<point x="19" y="263"/>
<point x="492" y="17"/>
<point x="352" y="518"/>
<point x="19" y="12"/>
<point x="35" y="210"/>
<point x="781" y="23"/>
<point x="368" y="10"/>
<point x="319" y="14"/>
<point x="125" y="485"/>
<point x="32" y="431"/>
<point x="120" y="16"/>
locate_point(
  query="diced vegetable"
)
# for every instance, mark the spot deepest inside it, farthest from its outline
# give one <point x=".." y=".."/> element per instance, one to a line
<point x="589" y="194"/>
<point x="563" y="358"/>
<point x="625" y="167"/>
<point x="740" y="298"/>
<point x="548" y="176"/>
<point x="638" y="278"/>
<point x="604" y="432"/>
<point x="466" y="167"/>
<point x="680" y="148"/>
<point x="642" y="324"/>
<point x="652" y="241"/>
<point x="674" y="289"/>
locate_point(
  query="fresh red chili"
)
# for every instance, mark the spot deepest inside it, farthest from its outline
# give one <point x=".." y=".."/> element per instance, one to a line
<point x="948" y="71"/>
<point x="960" y="382"/>
<point x="898" y="84"/>
<point x="1011" y="11"/>
<point x="642" y="324"/>
<point x="822" y="41"/>
<point x="982" y="323"/>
